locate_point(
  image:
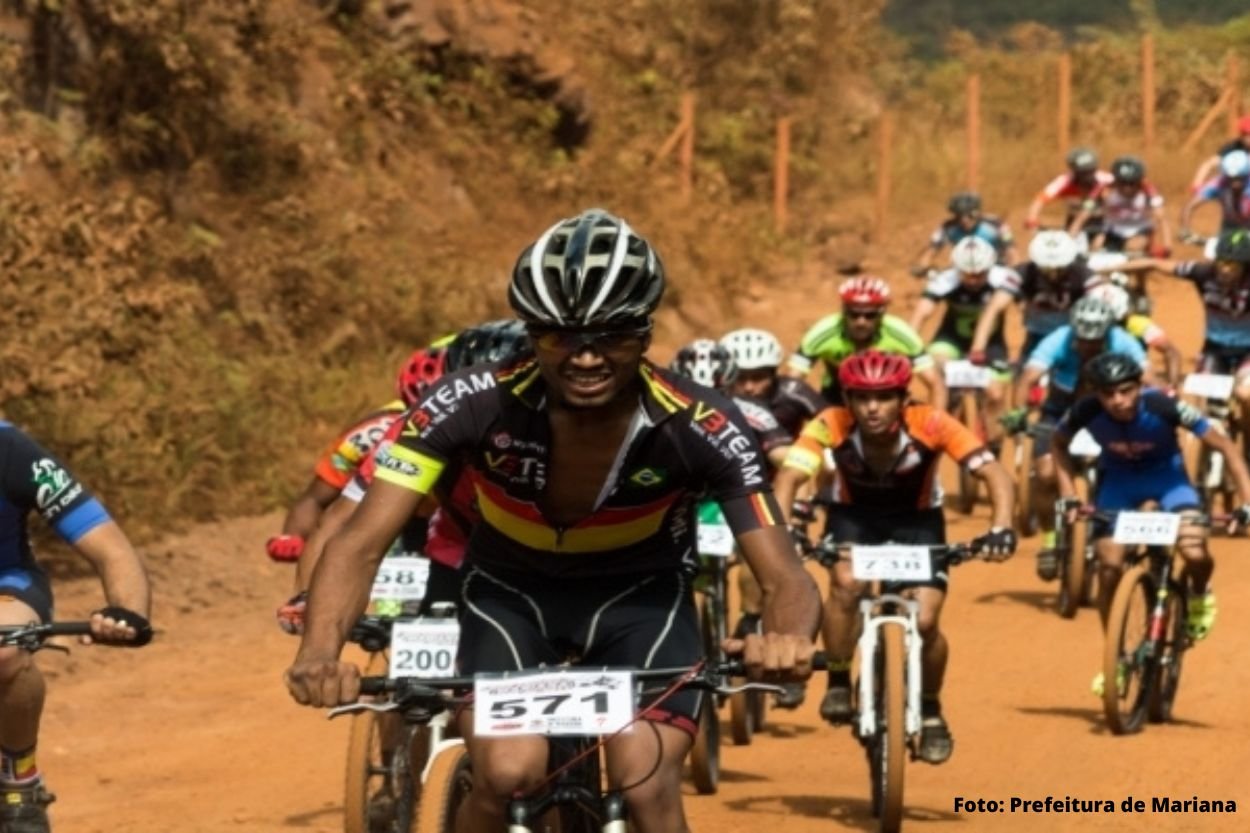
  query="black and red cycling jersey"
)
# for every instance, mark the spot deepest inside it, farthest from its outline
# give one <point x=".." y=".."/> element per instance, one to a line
<point x="686" y="441"/>
<point x="794" y="402"/>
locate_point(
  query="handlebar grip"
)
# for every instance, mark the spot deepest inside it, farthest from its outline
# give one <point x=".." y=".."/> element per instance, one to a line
<point x="68" y="629"/>
<point x="376" y="685"/>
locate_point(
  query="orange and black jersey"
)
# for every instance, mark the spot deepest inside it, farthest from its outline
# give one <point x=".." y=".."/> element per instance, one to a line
<point x="344" y="456"/>
<point x="685" y="441"/>
<point x="911" y="482"/>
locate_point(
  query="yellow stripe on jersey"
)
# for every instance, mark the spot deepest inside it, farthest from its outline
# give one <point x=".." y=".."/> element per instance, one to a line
<point x="540" y="536"/>
<point x="407" y="468"/>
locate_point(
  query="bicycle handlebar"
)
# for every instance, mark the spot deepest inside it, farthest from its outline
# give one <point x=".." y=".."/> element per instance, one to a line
<point x="32" y="636"/>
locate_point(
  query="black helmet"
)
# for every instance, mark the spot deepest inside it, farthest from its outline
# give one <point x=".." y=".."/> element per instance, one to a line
<point x="495" y="341"/>
<point x="592" y="269"/>
<point x="1234" y="246"/>
<point x="965" y="203"/>
<point x="1129" y="170"/>
<point x="1082" y="161"/>
<point x="1109" y="369"/>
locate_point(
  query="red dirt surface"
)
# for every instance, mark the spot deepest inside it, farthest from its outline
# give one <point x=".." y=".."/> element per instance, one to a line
<point x="196" y="733"/>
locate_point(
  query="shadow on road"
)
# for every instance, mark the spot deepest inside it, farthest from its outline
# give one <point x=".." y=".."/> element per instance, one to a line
<point x="854" y="812"/>
<point x="312" y="817"/>
<point x="1098" y="723"/>
<point x="1043" y="600"/>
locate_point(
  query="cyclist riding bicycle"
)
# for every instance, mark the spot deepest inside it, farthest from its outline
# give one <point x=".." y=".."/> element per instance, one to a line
<point x="1051" y="281"/>
<point x="1141" y="461"/>
<point x="1075" y="186"/>
<point x="1224" y="285"/>
<point x="967" y="288"/>
<point x="966" y="220"/>
<point x="1062" y="355"/>
<point x="440" y="530"/>
<point x="1227" y="190"/>
<point x="556" y="570"/>
<point x="1141" y="327"/>
<point x="886" y="490"/>
<point x="1212" y="163"/>
<point x="758" y="355"/>
<point x="35" y="481"/>
<point x="334" y="469"/>
<point x="1132" y="210"/>
<point x="863" y="324"/>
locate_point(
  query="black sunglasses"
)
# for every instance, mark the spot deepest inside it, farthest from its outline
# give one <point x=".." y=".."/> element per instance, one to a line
<point x="553" y="339"/>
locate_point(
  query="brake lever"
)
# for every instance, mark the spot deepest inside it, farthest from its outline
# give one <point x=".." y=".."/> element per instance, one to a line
<point x="357" y="708"/>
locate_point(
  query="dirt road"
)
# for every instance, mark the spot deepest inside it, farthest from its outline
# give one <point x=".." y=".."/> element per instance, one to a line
<point x="197" y="734"/>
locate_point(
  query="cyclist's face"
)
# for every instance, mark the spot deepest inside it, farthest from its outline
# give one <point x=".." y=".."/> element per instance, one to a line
<point x="876" y="412"/>
<point x="968" y="222"/>
<point x="1127" y="189"/>
<point x="1120" y="401"/>
<point x="974" y="280"/>
<point x="1052" y="273"/>
<point x="757" y="382"/>
<point x="588" y="368"/>
<point x="1229" y="272"/>
<point x="862" y="323"/>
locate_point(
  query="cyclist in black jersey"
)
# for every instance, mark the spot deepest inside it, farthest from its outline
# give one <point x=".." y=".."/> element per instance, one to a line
<point x="556" y="570"/>
<point x="32" y="480"/>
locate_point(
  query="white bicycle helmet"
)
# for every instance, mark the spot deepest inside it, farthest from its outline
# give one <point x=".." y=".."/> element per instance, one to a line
<point x="1113" y="296"/>
<point x="972" y="256"/>
<point x="705" y="362"/>
<point x="1091" y="318"/>
<point x="1235" y="164"/>
<point x="753" y="349"/>
<point x="1053" y="250"/>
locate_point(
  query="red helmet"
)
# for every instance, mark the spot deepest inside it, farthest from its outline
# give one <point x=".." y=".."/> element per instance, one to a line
<point x="874" y="370"/>
<point x="423" y="368"/>
<point x="1243" y="125"/>
<point x="865" y="291"/>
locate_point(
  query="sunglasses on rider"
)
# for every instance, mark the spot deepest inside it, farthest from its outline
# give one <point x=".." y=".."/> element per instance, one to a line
<point x="865" y="314"/>
<point x="556" y="340"/>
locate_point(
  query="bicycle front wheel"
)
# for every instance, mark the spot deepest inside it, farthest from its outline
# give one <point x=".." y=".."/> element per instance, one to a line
<point x="889" y="746"/>
<point x="449" y="783"/>
<point x="1072" y="581"/>
<point x="705" y="753"/>
<point x="1128" y="661"/>
<point x="1170" y="652"/>
<point x="1026" y="521"/>
<point x="367" y="801"/>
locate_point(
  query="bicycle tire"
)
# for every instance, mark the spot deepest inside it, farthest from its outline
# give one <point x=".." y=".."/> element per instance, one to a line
<point x="969" y="415"/>
<point x="1073" y="561"/>
<point x="741" y="720"/>
<point x="365" y="767"/>
<point x="892" y="735"/>
<point x="705" y="752"/>
<point x="450" y="779"/>
<point x="1171" y="655"/>
<point x="1026" y="520"/>
<point x="757" y="703"/>
<point x="1124" y="642"/>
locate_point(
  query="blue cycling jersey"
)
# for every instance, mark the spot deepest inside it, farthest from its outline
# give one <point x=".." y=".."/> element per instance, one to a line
<point x="1146" y="441"/>
<point x="1057" y="354"/>
<point x="31" y="479"/>
<point x="990" y="229"/>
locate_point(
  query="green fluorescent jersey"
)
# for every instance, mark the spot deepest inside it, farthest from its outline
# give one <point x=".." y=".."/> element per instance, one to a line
<point x="826" y="341"/>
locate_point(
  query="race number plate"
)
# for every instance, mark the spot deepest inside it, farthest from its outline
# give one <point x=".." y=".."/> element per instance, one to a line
<point x="424" y="648"/>
<point x="402" y="579"/>
<point x="1083" y="445"/>
<point x="568" y="702"/>
<point x="1149" y="528"/>
<point x="716" y="540"/>
<point x="1208" y="385"/>
<point x="965" y="374"/>
<point x="891" y="563"/>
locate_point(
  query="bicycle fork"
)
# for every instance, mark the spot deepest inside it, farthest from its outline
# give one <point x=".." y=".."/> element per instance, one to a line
<point x="873" y="622"/>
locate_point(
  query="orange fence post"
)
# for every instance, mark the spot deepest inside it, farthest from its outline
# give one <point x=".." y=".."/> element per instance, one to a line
<point x="1148" y="91"/>
<point x="974" y="131"/>
<point x="781" y="175"/>
<point x="687" y="147"/>
<point x="1221" y="104"/>
<point x="1065" y="103"/>
<point x="1232" y="83"/>
<point x="885" y="147"/>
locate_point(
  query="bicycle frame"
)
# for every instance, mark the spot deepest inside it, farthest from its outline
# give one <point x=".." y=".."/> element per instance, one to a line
<point x="872" y="621"/>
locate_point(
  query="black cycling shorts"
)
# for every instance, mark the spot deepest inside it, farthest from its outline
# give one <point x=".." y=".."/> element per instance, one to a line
<point x="443" y="586"/>
<point x="850" y="524"/>
<point x="30" y="587"/>
<point x="514" y="621"/>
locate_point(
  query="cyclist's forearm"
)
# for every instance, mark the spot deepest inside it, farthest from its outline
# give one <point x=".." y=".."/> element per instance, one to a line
<point x="1002" y="493"/>
<point x="121" y="570"/>
<point x="1233" y="459"/>
<point x="1172" y="357"/>
<point x="785" y="486"/>
<point x="338" y="594"/>
<point x="306" y="512"/>
<point x="334" y="518"/>
<point x="939" y="397"/>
